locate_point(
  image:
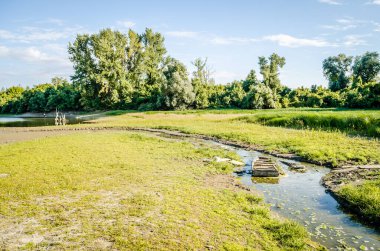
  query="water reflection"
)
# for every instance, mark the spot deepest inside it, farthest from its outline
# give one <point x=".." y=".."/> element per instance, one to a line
<point x="265" y="180"/>
<point x="13" y="121"/>
<point x="301" y="197"/>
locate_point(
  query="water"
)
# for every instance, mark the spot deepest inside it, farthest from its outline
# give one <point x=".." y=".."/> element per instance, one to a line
<point x="13" y="121"/>
<point x="301" y="197"/>
<point x="298" y="196"/>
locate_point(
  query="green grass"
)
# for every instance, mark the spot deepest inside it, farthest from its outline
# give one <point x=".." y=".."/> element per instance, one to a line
<point x="129" y="191"/>
<point x="326" y="147"/>
<point x="364" y="123"/>
<point x="364" y="198"/>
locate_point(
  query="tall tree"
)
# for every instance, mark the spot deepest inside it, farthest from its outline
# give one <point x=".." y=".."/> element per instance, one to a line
<point x="366" y="67"/>
<point x="100" y="69"/>
<point x="201" y="80"/>
<point x="153" y="65"/>
<point x="177" y="91"/>
<point x="250" y="81"/>
<point x="270" y="70"/>
<point x="337" y="70"/>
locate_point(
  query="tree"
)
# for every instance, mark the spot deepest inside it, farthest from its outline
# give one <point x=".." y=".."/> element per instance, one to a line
<point x="154" y="62"/>
<point x="177" y="91"/>
<point x="9" y="99"/>
<point x="336" y="70"/>
<point x="270" y="70"/>
<point x="260" y="97"/>
<point x="250" y="81"/>
<point x="234" y="94"/>
<point x="100" y="69"/>
<point x="366" y="67"/>
<point x="202" y="71"/>
<point x="200" y="81"/>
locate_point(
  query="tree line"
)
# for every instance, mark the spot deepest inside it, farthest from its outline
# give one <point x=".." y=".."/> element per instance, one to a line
<point x="113" y="70"/>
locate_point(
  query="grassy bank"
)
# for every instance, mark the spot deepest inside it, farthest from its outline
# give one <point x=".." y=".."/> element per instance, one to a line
<point x="332" y="148"/>
<point x="360" y="122"/>
<point x="364" y="199"/>
<point x="119" y="190"/>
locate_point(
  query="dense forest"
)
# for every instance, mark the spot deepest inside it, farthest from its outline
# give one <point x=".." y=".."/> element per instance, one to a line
<point x="113" y="70"/>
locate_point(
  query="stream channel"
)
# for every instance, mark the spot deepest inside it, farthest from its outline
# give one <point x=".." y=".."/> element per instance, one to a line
<point x="301" y="197"/>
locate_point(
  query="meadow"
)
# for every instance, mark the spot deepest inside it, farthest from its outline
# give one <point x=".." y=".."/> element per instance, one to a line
<point x="131" y="191"/>
<point x="333" y="137"/>
<point x="327" y="146"/>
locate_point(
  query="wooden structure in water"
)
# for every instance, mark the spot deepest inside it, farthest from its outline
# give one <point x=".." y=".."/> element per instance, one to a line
<point x="264" y="167"/>
<point x="60" y="119"/>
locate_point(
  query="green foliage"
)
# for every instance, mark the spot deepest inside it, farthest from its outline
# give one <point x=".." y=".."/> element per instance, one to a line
<point x="41" y="98"/>
<point x="362" y="96"/>
<point x="366" y="67"/>
<point x="113" y="70"/>
<point x="259" y="97"/>
<point x="269" y="69"/>
<point x="336" y="70"/>
<point x="100" y="69"/>
<point x="201" y="81"/>
<point x="176" y="91"/>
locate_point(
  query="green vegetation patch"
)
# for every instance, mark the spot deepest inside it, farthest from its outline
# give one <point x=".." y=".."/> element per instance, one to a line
<point x="326" y="147"/>
<point x="120" y="190"/>
<point x="359" y="122"/>
<point x="364" y="199"/>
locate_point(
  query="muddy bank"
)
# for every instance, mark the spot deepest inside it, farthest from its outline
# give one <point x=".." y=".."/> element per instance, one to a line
<point x="355" y="175"/>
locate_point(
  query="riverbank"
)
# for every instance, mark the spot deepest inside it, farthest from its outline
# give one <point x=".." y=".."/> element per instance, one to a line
<point x="137" y="192"/>
<point x="358" y="190"/>
<point x="334" y="181"/>
<point x="333" y="149"/>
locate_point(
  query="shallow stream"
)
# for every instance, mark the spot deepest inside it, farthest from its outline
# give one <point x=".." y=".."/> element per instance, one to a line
<point x="14" y="121"/>
<point x="301" y="197"/>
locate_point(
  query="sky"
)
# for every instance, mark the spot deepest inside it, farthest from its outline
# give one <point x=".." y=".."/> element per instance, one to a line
<point x="231" y="34"/>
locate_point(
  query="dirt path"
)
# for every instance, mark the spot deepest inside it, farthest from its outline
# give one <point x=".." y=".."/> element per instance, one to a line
<point x="11" y="136"/>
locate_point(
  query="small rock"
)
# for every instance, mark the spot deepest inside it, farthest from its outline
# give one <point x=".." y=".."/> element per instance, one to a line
<point x="219" y="159"/>
<point x="237" y="163"/>
<point x="4" y="175"/>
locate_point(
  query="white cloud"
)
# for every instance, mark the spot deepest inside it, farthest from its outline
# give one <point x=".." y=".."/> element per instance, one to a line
<point x="293" y="42"/>
<point x="35" y="55"/>
<point x="4" y="51"/>
<point x="376" y="2"/>
<point x="29" y="34"/>
<point x="377" y="26"/>
<point x="280" y="39"/>
<point x="354" y="40"/>
<point x="183" y="34"/>
<point x="232" y="40"/>
<point x="331" y="2"/>
<point x="344" y="24"/>
<point x="126" y="23"/>
<point x="53" y="21"/>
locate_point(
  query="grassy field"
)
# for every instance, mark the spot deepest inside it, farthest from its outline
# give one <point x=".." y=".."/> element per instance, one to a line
<point x="327" y="147"/>
<point x="120" y="190"/>
<point x="362" y="123"/>
<point x="325" y="136"/>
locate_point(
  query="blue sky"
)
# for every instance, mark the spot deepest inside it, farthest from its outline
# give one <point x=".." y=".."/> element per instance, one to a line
<point x="232" y="34"/>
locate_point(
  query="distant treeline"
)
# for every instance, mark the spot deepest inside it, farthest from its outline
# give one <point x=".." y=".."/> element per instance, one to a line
<point x="133" y="71"/>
